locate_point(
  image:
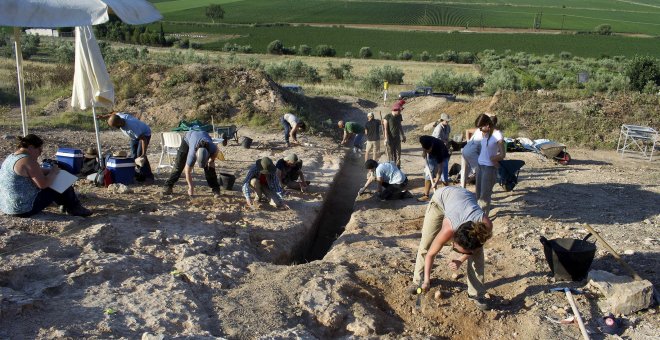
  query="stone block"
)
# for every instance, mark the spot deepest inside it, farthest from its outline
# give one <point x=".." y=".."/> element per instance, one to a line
<point x="623" y="294"/>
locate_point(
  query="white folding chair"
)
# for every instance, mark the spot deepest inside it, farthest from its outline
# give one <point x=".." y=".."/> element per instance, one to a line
<point x="170" y="143"/>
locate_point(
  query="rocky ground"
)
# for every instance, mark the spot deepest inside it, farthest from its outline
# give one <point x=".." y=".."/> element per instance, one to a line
<point x="205" y="267"/>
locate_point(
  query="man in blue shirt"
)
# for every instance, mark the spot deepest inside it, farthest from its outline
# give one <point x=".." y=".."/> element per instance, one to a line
<point x="140" y="136"/>
<point x="391" y="180"/>
<point x="262" y="179"/>
<point x="196" y="148"/>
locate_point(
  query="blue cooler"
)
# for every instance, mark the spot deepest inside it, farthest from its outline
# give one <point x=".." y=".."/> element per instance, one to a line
<point x="122" y="169"/>
<point x="70" y="159"/>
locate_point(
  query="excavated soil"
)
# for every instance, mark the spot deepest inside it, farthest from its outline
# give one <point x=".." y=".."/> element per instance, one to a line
<point x="205" y="267"/>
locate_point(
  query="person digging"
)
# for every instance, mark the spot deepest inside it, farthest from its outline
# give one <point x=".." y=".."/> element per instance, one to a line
<point x="262" y="179"/>
<point x="391" y="181"/>
<point x="289" y="172"/>
<point x="454" y="215"/>
<point x="139" y="134"/>
<point x="196" y="147"/>
<point x="352" y="130"/>
<point x="435" y="153"/>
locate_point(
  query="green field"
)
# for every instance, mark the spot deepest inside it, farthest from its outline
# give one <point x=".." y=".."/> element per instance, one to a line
<point x="394" y="42"/>
<point x="581" y="15"/>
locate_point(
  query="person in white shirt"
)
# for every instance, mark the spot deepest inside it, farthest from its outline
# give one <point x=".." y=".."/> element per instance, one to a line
<point x="472" y="149"/>
<point x="492" y="152"/>
<point x="291" y="125"/>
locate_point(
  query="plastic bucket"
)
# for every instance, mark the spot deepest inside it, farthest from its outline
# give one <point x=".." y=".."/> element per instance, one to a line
<point x="227" y="181"/>
<point x="247" y="142"/>
<point x="569" y="259"/>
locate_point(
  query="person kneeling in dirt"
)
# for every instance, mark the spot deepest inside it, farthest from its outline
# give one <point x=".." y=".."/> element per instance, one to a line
<point x="196" y="147"/>
<point x="453" y="214"/>
<point x="140" y="136"/>
<point x="391" y="180"/>
<point x="262" y="178"/>
<point x="435" y="154"/>
<point x="25" y="186"/>
<point x="289" y="172"/>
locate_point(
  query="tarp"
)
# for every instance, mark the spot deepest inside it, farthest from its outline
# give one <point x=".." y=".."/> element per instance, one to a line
<point x="68" y="13"/>
<point x="92" y="86"/>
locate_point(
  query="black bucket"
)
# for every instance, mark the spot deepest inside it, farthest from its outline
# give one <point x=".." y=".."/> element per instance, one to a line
<point x="569" y="259"/>
<point x="247" y="142"/>
<point x="227" y="181"/>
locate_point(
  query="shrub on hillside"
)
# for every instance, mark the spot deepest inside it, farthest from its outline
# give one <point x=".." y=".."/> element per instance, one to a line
<point x="448" y="56"/>
<point x="275" y="47"/>
<point x="405" y="55"/>
<point x="365" y="52"/>
<point x="325" y="51"/>
<point x="348" y="54"/>
<point x="342" y="71"/>
<point x="64" y="52"/>
<point x="449" y="81"/>
<point x="642" y="70"/>
<point x="293" y="70"/>
<point x="304" y="50"/>
<point x="503" y="79"/>
<point x="466" y="58"/>
<point x="565" y="55"/>
<point x="384" y="55"/>
<point x="376" y="76"/>
<point x="424" y="56"/>
<point x="229" y="47"/>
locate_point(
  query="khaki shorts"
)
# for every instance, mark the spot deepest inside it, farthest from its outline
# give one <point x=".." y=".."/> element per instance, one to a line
<point x="375" y="146"/>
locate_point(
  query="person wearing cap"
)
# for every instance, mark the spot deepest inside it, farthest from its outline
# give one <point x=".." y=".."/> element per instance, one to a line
<point x="262" y="179"/>
<point x="372" y="131"/>
<point x="434" y="153"/>
<point x="291" y="125"/>
<point x="352" y="129"/>
<point x="398" y="105"/>
<point x="196" y="147"/>
<point x="391" y="180"/>
<point x="289" y="172"/>
<point x="140" y="136"/>
<point x="442" y="132"/>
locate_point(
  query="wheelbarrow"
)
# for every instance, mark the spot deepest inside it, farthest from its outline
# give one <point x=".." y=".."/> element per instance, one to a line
<point x="555" y="151"/>
<point x="231" y="131"/>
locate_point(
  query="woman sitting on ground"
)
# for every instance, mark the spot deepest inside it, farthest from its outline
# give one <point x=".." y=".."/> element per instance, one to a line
<point x="24" y="185"/>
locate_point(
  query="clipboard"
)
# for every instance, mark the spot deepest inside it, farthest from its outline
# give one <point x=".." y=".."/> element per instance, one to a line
<point x="63" y="180"/>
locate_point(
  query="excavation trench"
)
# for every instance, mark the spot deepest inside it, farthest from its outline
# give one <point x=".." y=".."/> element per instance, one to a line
<point x="337" y="209"/>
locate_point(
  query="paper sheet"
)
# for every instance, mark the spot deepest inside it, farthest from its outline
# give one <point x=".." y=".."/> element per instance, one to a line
<point x="63" y="181"/>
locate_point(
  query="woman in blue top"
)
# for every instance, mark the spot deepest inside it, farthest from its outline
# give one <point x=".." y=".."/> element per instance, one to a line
<point x="24" y="185"/>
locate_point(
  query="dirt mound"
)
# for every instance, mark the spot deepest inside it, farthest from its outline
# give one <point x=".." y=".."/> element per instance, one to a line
<point x="162" y="96"/>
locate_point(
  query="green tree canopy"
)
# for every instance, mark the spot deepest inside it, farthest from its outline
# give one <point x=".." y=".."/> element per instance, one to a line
<point x="215" y="11"/>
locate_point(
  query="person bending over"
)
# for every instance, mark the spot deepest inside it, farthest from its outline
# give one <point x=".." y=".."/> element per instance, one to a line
<point x="391" y="180"/>
<point x="196" y="147"/>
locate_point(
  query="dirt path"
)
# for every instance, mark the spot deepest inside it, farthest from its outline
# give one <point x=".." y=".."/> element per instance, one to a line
<point x="205" y="267"/>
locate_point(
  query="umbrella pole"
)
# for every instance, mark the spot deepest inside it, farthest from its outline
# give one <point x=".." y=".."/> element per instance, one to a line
<point x="19" y="73"/>
<point x="98" y="138"/>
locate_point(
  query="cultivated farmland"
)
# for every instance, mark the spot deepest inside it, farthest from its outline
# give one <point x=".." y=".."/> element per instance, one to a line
<point x="582" y="15"/>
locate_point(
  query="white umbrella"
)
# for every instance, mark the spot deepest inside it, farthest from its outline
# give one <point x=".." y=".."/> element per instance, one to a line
<point x="66" y="13"/>
<point x="92" y="86"/>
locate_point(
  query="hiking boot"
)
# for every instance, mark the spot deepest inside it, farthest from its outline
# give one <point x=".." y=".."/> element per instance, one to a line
<point x="167" y="190"/>
<point x="480" y="302"/>
<point x="216" y="192"/>
<point x="406" y="194"/>
<point x="79" y="210"/>
<point x="424" y="198"/>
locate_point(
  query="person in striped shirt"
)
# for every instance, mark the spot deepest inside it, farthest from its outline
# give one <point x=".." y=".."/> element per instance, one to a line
<point x="262" y="179"/>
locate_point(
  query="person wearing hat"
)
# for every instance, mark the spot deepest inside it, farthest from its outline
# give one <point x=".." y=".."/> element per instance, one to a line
<point x="393" y="131"/>
<point x="196" y="147"/>
<point x="90" y="163"/>
<point x="435" y="153"/>
<point x="398" y="105"/>
<point x="372" y="131"/>
<point x="289" y="172"/>
<point x="391" y="180"/>
<point x="262" y="179"/>
<point x="291" y="125"/>
<point x="352" y="129"/>
<point x="442" y="132"/>
<point x="140" y="136"/>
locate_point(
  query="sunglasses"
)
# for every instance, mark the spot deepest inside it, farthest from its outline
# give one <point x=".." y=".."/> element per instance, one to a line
<point x="461" y="252"/>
